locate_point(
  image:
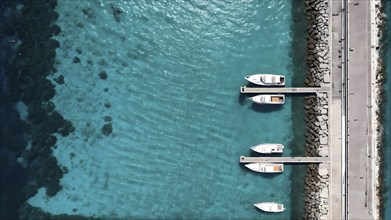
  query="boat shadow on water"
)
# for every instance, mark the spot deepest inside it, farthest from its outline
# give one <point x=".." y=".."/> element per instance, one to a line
<point x="266" y="213"/>
<point x="255" y="154"/>
<point x="242" y="98"/>
<point x="265" y="108"/>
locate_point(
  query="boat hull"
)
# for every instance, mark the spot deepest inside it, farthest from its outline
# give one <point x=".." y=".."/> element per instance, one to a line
<point x="268" y="148"/>
<point x="266" y="79"/>
<point x="268" y="99"/>
<point x="265" y="167"/>
<point x="270" y="207"/>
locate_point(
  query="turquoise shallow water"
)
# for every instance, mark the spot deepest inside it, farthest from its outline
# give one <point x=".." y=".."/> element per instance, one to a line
<point x="179" y="125"/>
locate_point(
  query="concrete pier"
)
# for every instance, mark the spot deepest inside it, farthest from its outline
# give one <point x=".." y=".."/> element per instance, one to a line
<point x="292" y="160"/>
<point x="268" y="90"/>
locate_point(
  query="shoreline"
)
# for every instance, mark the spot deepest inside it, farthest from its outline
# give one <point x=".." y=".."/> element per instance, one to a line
<point x="375" y="103"/>
<point x="386" y="110"/>
<point x="378" y="20"/>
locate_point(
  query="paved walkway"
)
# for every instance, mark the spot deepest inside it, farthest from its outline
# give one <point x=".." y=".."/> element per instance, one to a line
<point x="336" y="147"/>
<point x="360" y="189"/>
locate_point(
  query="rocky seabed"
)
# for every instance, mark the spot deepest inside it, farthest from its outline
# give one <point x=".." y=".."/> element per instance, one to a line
<point x="316" y="108"/>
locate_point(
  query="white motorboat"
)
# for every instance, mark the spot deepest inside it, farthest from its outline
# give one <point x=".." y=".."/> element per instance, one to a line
<point x="266" y="167"/>
<point x="266" y="79"/>
<point x="277" y="99"/>
<point x="268" y="148"/>
<point x="270" y="207"/>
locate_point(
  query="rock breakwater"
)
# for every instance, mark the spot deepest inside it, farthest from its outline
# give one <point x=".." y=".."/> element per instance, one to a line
<point x="317" y="110"/>
<point x="317" y="136"/>
<point x="317" y="145"/>
<point x="317" y="13"/>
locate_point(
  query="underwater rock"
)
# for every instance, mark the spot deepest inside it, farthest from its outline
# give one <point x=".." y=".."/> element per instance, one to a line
<point x="107" y="119"/>
<point x="78" y="50"/>
<point x="76" y="60"/>
<point x="26" y="211"/>
<point x="116" y="13"/>
<point x="107" y="129"/>
<point x="107" y="105"/>
<point x="53" y="44"/>
<point x="55" y="29"/>
<point x="79" y="24"/>
<point x="59" y="79"/>
<point x="103" y="75"/>
<point x="66" y="129"/>
<point x="27" y="71"/>
<point x="88" y="12"/>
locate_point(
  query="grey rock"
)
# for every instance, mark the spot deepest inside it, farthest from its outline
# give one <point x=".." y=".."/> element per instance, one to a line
<point x="323" y="140"/>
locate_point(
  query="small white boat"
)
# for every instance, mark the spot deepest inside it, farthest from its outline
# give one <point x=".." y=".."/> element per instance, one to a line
<point x="270" y="207"/>
<point x="277" y="99"/>
<point x="266" y="79"/>
<point x="268" y="148"/>
<point x="266" y="167"/>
